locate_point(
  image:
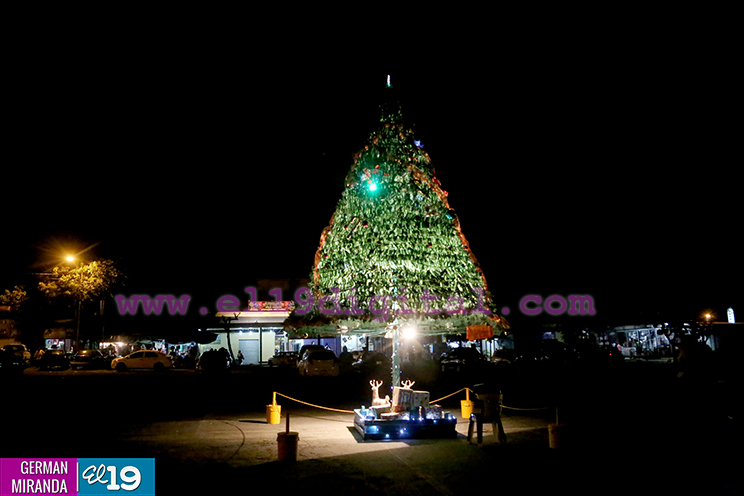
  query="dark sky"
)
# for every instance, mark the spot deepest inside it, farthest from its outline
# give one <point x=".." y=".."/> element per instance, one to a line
<point x="607" y="173"/>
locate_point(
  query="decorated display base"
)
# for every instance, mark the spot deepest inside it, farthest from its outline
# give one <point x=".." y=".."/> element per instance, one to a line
<point x="415" y="425"/>
<point x="409" y="416"/>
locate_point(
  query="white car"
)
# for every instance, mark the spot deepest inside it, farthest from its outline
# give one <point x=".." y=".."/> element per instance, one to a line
<point x="318" y="362"/>
<point x="143" y="359"/>
<point x="20" y="351"/>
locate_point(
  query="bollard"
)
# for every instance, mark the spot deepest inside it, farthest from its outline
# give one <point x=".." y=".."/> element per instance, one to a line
<point x="466" y="406"/>
<point x="273" y="412"/>
<point x="554" y="435"/>
<point x="287" y="444"/>
<point x="554" y="432"/>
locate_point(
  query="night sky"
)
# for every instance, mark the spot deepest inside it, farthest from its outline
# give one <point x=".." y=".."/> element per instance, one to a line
<point x="612" y="175"/>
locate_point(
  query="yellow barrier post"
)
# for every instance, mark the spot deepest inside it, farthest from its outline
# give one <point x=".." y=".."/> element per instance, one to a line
<point x="466" y="406"/>
<point x="273" y="411"/>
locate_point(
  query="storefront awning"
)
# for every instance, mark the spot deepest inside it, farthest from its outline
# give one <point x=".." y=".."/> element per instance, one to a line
<point x="56" y="333"/>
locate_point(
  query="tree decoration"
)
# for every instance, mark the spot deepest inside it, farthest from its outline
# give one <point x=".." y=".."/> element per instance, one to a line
<point x="410" y="240"/>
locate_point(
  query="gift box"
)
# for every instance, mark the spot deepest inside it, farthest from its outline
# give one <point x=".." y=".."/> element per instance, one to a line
<point x="378" y="410"/>
<point x="407" y="399"/>
<point x="433" y="412"/>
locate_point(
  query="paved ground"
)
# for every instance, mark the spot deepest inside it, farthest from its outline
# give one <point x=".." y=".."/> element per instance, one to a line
<point x="241" y="450"/>
<point x="246" y="440"/>
<point x="629" y="432"/>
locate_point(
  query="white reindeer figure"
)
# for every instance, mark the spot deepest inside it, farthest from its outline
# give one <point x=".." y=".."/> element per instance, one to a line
<point x="376" y="400"/>
<point x="407" y="384"/>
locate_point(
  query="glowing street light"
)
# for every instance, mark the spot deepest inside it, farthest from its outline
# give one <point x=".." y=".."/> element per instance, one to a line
<point x="409" y="332"/>
<point x="71" y="259"/>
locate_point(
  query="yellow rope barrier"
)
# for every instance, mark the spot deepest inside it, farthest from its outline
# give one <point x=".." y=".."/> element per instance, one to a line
<point x="445" y="397"/>
<point x="526" y="409"/>
<point x="471" y="391"/>
<point x="316" y="406"/>
<point x="433" y="401"/>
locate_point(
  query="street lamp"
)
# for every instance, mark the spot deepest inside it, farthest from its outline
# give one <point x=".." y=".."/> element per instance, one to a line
<point x="71" y="259"/>
<point x="409" y="332"/>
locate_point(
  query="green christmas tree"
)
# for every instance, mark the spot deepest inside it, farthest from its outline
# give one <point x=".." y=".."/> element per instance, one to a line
<point x="393" y="253"/>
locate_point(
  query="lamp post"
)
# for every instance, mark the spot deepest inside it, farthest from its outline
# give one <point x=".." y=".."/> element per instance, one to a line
<point x="407" y="332"/>
<point x="396" y="358"/>
<point x="71" y="259"/>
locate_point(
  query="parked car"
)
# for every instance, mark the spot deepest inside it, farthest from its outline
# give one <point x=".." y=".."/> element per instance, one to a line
<point x="54" y="359"/>
<point x="318" y="362"/>
<point x="503" y="357"/>
<point x="89" y="359"/>
<point x="372" y="364"/>
<point x="461" y="360"/>
<point x="284" y="358"/>
<point x="609" y="354"/>
<point x="545" y="355"/>
<point x="309" y="347"/>
<point x="143" y="359"/>
<point x="213" y="361"/>
<point x="20" y="351"/>
<point x="10" y="362"/>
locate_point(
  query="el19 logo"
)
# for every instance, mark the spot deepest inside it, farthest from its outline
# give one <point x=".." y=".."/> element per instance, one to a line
<point x="106" y="476"/>
<point x="93" y="475"/>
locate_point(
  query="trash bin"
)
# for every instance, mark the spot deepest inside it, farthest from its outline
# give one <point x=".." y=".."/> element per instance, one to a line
<point x="287" y="442"/>
<point x="555" y="431"/>
<point x="492" y="399"/>
<point x="489" y="404"/>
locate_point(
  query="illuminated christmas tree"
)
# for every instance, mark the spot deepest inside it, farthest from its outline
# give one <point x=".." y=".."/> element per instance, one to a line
<point x="393" y="253"/>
